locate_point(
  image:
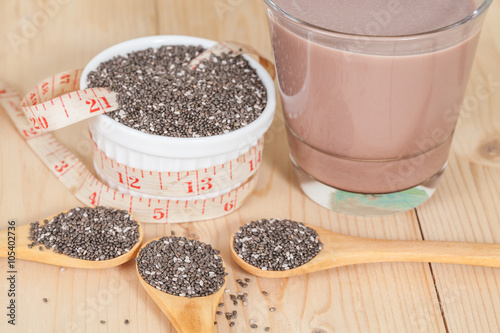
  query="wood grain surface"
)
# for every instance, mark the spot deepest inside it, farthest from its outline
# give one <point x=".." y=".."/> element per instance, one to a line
<point x="389" y="297"/>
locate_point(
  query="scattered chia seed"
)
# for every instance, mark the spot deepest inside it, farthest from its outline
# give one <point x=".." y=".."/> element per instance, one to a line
<point x="45" y="300"/>
<point x="267" y="329"/>
<point x="159" y="94"/>
<point x="182" y="267"/>
<point x="276" y="245"/>
<point x="243" y="297"/>
<point x="126" y="322"/>
<point x="254" y="326"/>
<point x="264" y="293"/>
<point x="219" y="313"/>
<point x="103" y="322"/>
<point x="231" y="324"/>
<point x="221" y="305"/>
<point x="87" y="233"/>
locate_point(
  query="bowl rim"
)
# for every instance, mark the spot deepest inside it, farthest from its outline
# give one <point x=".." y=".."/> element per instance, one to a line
<point x="172" y="146"/>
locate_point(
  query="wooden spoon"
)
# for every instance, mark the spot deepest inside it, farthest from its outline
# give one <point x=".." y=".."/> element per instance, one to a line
<point x="342" y="250"/>
<point x="47" y="256"/>
<point x="187" y="315"/>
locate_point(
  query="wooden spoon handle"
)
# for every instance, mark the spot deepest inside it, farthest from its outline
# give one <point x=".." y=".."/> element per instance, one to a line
<point x="480" y="254"/>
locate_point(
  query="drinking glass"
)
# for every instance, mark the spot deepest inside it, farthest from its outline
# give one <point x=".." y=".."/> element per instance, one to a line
<point x="370" y="118"/>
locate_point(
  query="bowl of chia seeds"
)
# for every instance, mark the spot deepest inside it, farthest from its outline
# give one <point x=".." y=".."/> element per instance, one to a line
<point x="173" y="118"/>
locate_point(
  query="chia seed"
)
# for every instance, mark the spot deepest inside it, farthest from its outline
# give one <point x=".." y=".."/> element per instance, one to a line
<point x="87" y="233"/>
<point x="159" y="94"/>
<point x="276" y="245"/>
<point x="182" y="267"/>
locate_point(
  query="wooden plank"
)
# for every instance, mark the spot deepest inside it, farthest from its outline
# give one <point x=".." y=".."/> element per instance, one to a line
<point x="465" y="208"/>
<point x="466" y="205"/>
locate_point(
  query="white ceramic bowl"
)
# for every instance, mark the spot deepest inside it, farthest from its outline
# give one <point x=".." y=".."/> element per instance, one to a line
<point x="159" y="153"/>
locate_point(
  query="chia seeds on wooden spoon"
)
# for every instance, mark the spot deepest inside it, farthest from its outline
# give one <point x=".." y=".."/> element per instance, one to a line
<point x="159" y="93"/>
<point x="87" y="233"/>
<point x="276" y="244"/>
<point x="182" y="267"/>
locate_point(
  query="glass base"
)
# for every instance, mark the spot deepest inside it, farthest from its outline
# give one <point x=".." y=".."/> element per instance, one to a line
<point x="360" y="204"/>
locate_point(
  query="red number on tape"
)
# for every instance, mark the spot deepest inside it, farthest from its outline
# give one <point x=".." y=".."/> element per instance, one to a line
<point x="94" y="107"/>
<point x="33" y="99"/>
<point x="45" y="88"/>
<point x="61" y="167"/>
<point x="30" y="132"/>
<point x="190" y="187"/>
<point x="92" y="198"/>
<point x="229" y="205"/>
<point x="40" y="120"/>
<point x="65" y="78"/>
<point x="207" y="184"/>
<point x="158" y="214"/>
<point x="107" y="105"/>
<point x="134" y="181"/>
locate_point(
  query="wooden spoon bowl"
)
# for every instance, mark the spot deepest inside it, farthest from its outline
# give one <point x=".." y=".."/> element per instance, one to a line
<point x="187" y="315"/>
<point x="47" y="256"/>
<point x="342" y="250"/>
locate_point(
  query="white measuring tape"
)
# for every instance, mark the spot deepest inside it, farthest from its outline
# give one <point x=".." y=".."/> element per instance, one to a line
<point x="180" y="184"/>
<point x="56" y="102"/>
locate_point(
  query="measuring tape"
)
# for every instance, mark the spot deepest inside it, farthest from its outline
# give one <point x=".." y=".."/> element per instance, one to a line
<point x="56" y="102"/>
<point x="180" y="184"/>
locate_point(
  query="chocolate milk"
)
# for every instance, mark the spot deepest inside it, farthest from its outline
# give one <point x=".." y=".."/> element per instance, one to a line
<point x="371" y="123"/>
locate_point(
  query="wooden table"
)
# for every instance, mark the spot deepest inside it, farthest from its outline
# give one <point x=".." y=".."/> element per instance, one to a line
<point x="392" y="297"/>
